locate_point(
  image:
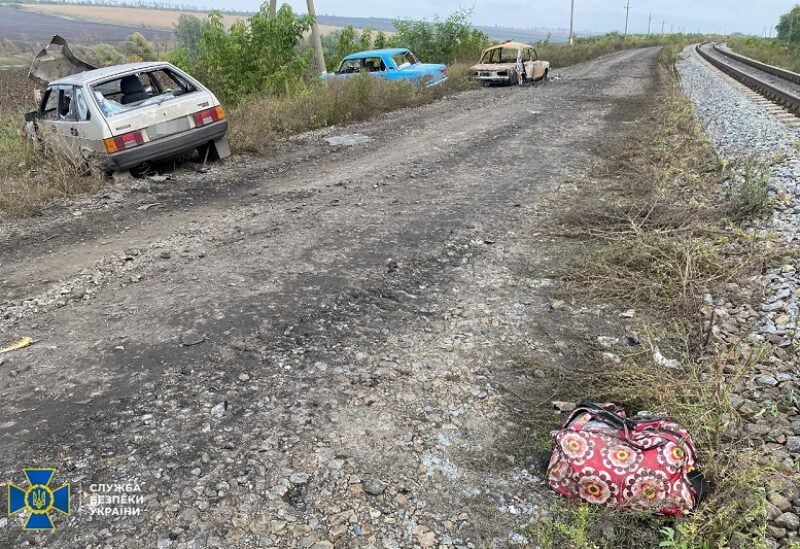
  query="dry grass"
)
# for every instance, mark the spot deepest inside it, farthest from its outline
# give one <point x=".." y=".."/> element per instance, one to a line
<point x="32" y="174"/>
<point x="659" y="239"/>
<point x="258" y="123"/>
<point x="768" y="50"/>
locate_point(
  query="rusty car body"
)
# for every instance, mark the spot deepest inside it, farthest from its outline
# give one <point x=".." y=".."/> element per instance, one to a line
<point x="510" y="63"/>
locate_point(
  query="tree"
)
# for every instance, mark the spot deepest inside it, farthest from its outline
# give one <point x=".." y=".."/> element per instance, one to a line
<point x="137" y="48"/>
<point x="260" y="54"/>
<point x="789" y="26"/>
<point x="189" y="29"/>
<point x="381" y="41"/>
<point x="442" y="41"/>
<point x="365" y="40"/>
<point x="346" y="43"/>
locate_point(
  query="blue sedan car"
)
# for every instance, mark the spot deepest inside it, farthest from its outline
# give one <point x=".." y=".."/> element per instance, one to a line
<point x="391" y="64"/>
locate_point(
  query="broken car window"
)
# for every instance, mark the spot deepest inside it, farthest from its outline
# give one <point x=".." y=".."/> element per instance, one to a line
<point x="349" y="66"/>
<point x="405" y="59"/>
<point x="65" y="106"/>
<point x="132" y="91"/>
<point x="374" y="64"/>
<point x="50" y="110"/>
<point x="501" y="55"/>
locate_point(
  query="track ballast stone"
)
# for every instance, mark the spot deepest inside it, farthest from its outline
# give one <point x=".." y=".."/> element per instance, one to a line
<point x="739" y="128"/>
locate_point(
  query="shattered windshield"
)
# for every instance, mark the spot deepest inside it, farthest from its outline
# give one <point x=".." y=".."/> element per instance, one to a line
<point x="133" y="91"/>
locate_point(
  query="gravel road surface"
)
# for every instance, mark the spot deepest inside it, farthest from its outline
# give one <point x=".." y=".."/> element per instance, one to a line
<point x="310" y="349"/>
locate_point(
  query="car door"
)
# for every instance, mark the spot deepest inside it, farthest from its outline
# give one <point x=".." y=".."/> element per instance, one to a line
<point x="530" y="64"/>
<point x="53" y="119"/>
<point x="86" y="125"/>
<point x="538" y="66"/>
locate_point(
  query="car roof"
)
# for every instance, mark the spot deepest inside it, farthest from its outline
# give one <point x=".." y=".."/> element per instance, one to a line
<point x="377" y="53"/>
<point x="82" y="78"/>
<point x="510" y="44"/>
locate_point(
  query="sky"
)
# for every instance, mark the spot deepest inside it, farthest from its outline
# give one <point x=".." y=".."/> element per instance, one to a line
<point x="746" y="16"/>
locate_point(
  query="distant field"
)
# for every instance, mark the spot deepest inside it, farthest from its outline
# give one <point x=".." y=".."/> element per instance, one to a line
<point x="132" y="17"/>
<point x="20" y="25"/>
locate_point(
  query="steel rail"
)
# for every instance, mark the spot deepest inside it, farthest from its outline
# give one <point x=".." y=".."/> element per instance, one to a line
<point x="783" y="74"/>
<point x="782" y="97"/>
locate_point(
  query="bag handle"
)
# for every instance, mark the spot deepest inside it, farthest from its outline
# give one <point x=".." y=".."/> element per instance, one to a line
<point x="598" y="412"/>
<point x="627" y="425"/>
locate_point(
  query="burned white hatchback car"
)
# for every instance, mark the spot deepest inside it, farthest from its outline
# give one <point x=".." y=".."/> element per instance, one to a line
<point x="126" y="115"/>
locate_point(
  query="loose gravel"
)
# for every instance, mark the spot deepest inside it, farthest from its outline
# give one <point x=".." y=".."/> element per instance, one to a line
<point x="740" y="127"/>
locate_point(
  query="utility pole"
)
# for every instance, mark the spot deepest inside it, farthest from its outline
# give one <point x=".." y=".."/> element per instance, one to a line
<point x="627" y="13"/>
<point x="315" y="38"/>
<point x="572" y="24"/>
<point x="649" y="21"/>
<point x="273" y="8"/>
<point x="663" y="22"/>
<point x="791" y="30"/>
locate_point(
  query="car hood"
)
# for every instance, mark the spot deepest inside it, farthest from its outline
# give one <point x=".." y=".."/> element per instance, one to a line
<point x="492" y="66"/>
<point x="56" y="61"/>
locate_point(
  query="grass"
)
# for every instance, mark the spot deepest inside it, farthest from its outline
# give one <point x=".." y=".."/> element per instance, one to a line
<point x="747" y="190"/>
<point x="768" y="50"/>
<point x="256" y="124"/>
<point x="661" y="238"/>
<point x="32" y="175"/>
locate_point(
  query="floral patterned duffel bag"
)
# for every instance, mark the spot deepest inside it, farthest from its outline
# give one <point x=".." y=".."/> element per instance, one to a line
<point x="642" y="464"/>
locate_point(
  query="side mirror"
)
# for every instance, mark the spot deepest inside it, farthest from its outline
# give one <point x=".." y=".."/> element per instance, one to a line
<point x="32" y="116"/>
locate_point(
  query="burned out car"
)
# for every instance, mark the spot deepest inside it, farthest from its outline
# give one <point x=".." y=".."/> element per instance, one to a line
<point x="126" y="115"/>
<point x="510" y="63"/>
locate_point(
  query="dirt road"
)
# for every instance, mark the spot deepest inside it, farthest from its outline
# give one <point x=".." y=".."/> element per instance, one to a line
<point x="312" y="349"/>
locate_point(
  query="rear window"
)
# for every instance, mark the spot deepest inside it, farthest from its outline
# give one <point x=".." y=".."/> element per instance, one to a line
<point x="403" y="60"/>
<point x="136" y="90"/>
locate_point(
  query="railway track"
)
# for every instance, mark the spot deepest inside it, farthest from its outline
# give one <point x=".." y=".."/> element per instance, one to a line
<point x="776" y="84"/>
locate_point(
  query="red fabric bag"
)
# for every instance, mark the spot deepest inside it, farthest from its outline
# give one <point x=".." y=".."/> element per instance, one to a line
<point x="602" y="457"/>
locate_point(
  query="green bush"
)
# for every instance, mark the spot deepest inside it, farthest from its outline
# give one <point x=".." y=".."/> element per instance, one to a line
<point x="189" y="30"/>
<point x="448" y="41"/>
<point x="257" y="55"/>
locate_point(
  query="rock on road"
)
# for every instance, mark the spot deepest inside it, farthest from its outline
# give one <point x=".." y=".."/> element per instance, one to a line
<point x="307" y="349"/>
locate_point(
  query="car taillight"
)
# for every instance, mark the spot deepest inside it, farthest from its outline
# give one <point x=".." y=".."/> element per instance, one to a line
<point x="444" y="70"/>
<point x="208" y="116"/>
<point x="123" y="142"/>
